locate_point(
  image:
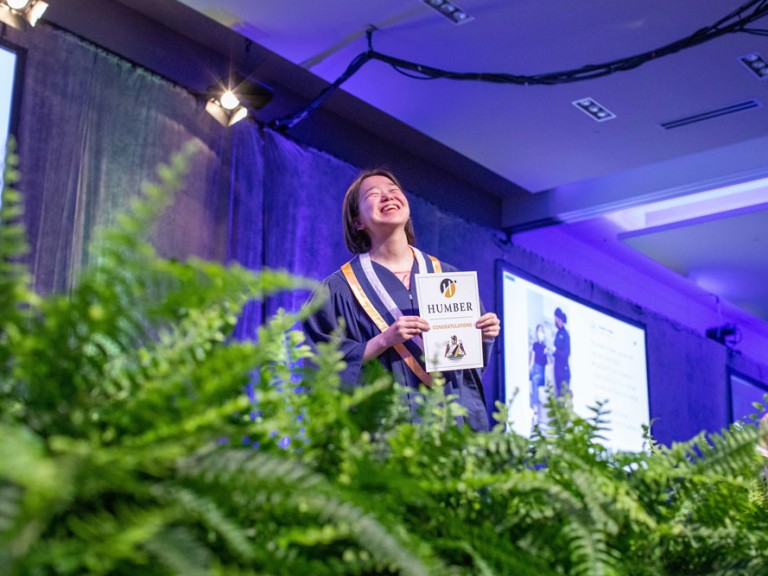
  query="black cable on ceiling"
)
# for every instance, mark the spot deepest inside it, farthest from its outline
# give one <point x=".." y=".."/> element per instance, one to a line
<point x="734" y="22"/>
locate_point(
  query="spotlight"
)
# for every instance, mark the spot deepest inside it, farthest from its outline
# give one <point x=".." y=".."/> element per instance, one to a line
<point x="449" y="10"/>
<point x="225" y="116"/>
<point x="232" y="104"/>
<point x="593" y="109"/>
<point x="756" y="64"/>
<point x="229" y="100"/>
<point x="16" y="12"/>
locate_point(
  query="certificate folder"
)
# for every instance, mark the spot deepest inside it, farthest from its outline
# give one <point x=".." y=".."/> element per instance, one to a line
<point x="450" y="302"/>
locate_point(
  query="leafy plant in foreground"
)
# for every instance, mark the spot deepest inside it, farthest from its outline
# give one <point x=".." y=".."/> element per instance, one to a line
<point x="136" y="436"/>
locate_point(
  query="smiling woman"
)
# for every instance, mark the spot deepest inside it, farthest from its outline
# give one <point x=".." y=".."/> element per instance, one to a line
<point x="372" y="295"/>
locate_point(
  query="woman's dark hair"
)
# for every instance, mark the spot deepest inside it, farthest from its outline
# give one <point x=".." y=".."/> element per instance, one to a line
<point x="358" y="241"/>
<point x="560" y="314"/>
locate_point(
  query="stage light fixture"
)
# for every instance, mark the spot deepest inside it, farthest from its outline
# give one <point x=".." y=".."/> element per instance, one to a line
<point x="17" y="12"/>
<point x="756" y="64"/>
<point x="449" y="10"/>
<point x="233" y="103"/>
<point x="593" y="109"/>
<point x="224" y="115"/>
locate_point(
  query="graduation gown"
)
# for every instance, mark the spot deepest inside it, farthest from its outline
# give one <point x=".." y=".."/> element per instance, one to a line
<point x="465" y="384"/>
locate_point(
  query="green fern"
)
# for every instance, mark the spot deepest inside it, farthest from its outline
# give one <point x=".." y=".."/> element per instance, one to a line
<point x="285" y="484"/>
<point x="16" y="299"/>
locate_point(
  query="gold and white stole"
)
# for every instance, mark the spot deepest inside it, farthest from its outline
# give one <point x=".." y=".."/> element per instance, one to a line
<point x="385" y="298"/>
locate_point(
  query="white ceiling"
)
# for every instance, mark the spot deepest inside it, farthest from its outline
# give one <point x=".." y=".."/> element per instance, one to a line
<point x="570" y="167"/>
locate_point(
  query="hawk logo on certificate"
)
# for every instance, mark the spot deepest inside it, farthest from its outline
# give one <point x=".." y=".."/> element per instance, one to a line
<point x="450" y="302"/>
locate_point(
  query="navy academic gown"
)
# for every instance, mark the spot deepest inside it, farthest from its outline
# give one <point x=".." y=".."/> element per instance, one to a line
<point x="465" y="384"/>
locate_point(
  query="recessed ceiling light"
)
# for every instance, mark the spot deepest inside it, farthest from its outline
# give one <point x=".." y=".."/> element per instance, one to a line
<point x="592" y="108"/>
<point x="756" y="64"/>
<point x="449" y="10"/>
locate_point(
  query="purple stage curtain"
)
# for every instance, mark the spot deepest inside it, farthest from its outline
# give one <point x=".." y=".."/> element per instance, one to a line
<point x="246" y="214"/>
<point x="92" y="129"/>
<point x="304" y="189"/>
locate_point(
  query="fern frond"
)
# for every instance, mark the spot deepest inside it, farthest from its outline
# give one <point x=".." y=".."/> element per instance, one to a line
<point x="14" y="276"/>
<point x="10" y="505"/>
<point x="504" y="451"/>
<point x="487" y="551"/>
<point x="590" y="554"/>
<point x="197" y="507"/>
<point x="731" y="452"/>
<point x="301" y="489"/>
<point x="27" y="473"/>
<point x="15" y="294"/>
<point x="177" y="549"/>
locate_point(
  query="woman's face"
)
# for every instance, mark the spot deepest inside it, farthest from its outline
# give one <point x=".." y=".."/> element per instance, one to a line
<point x="540" y="335"/>
<point x="382" y="206"/>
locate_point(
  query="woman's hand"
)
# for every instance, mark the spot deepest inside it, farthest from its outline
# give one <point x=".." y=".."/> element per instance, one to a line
<point x="489" y="325"/>
<point x="405" y="328"/>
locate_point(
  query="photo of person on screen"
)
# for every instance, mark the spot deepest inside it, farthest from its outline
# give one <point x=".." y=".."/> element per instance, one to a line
<point x="562" y="354"/>
<point x="537" y="364"/>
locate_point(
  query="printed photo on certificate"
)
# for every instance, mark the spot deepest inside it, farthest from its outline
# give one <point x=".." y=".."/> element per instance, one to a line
<point x="450" y="302"/>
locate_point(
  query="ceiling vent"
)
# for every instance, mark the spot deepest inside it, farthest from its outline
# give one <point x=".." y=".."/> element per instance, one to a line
<point x="709" y="115"/>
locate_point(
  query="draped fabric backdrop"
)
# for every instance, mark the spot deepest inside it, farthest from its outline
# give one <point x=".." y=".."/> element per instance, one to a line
<point x="94" y="127"/>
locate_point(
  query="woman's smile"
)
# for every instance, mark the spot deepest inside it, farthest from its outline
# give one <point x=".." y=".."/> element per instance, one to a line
<point x="390" y="208"/>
